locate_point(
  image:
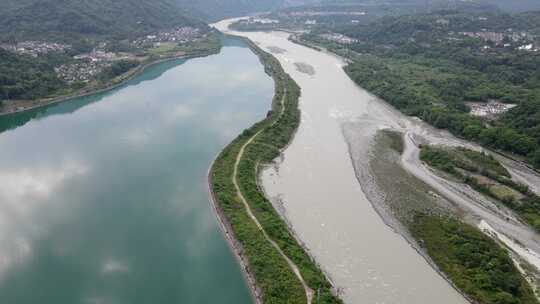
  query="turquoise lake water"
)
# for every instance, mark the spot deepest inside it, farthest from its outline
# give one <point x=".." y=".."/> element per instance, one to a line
<point x="103" y="199"/>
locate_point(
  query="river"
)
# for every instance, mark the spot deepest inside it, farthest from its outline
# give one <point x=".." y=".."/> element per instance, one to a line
<point x="103" y="199"/>
<point x="325" y="188"/>
<point x="316" y="189"/>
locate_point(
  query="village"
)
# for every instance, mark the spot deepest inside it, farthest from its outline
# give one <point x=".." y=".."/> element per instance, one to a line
<point x="490" y="110"/>
<point x="519" y="40"/>
<point x="177" y="35"/>
<point x="339" y="38"/>
<point x="80" y="71"/>
<point x="83" y="68"/>
<point x="35" y="48"/>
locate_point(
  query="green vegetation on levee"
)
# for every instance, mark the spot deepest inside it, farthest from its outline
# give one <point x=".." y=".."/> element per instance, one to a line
<point x="475" y="263"/>
<point x="486" y="175"/>
<point x="423" y="66"/>
<point x="276" y="280"/>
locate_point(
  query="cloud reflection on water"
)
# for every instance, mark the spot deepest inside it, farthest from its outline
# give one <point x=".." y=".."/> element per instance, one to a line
<point x="118" y="187"/>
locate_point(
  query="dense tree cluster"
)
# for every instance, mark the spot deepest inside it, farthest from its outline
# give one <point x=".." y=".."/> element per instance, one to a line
<point x="437" y="97"/>
<point x="116" y="69"/>
<point x="25" y="77"/>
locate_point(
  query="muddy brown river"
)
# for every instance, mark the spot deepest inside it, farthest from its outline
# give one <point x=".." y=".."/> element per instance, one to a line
<point x="325" y="189"/>
<point x="316" y="189"/>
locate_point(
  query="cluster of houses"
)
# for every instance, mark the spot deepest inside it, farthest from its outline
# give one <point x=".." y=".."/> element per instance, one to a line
<point x="508" y="38"/>
<point x="177" y="35"/>
<point x="339" y="38"/>
<point x="96" y="56"/>
<point x="323" y="13"/>
<point x="498" y="37"/>
<point x="87" y="66"/>
<point x="83" y="71"/>
<point x="520" y="40"/>
<point x="35" y="48"/>
<point x="84" y="67"/>
<point x="489" y="109"/>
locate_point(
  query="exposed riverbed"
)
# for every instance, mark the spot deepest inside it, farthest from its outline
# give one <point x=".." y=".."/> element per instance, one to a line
<point x="103" y="199"/>
<point x="316" y="188"/>
<point x="329" y="188"/>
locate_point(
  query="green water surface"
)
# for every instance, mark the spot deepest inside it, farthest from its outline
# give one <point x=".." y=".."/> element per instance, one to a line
<point x="103" y="199"/>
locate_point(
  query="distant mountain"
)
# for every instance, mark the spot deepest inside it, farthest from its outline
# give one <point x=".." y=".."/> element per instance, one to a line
<point x="427" y="27"/>
<point x="66" y="19"/>
<point x="515" y="5"/>
<point x="12" y="4"/>
<point x="213" y="10"/>
<point x="512" y="6"/>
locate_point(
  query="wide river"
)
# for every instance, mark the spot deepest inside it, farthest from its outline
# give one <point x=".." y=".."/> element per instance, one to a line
<point x="103" y="199"/>
<point x="316" y="189"/>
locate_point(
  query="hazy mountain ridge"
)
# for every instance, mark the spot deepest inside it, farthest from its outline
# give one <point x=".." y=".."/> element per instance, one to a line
<point x="506" y="5"/>
<point x="213" y="10"/>
<point x="431" y="65"/>
<point x="71" y="18"/>
<point x="394" y="29"/>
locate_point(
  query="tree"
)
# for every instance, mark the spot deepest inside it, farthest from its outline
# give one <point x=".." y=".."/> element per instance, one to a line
<point x="536" y="158"/>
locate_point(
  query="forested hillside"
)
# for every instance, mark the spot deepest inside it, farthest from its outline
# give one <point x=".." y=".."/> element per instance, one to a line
<point x="26" y="77"/>
<point x="513" y="6"/>
<point x="213" y="10"/>
<point x="431" y="65"/>
<point x="69" y="19"/>
<point x="432" y="26"/>
<point x="49" y="48"/>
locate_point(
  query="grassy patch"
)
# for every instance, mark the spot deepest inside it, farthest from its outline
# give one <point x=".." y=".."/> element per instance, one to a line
<point x="211" y="42"/>
<point x="208" y="44"/>
<point x="465" y="159"/>
<point x="164" y="48"/>
<point x="486" y="175"/>
<point x="503" y="192"/>
<point x="395" y="140"/>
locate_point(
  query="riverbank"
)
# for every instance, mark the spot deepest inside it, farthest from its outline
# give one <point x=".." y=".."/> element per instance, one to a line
<point x="470" y="206"/>
<point x="407" y="201"/>
<point x="28" y="105"/>
<point x="275" y="279"/>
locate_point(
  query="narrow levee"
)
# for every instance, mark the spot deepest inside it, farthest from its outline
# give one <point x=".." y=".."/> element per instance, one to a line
<point x="272" y="258"/>
<point x="309" y="291"/>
